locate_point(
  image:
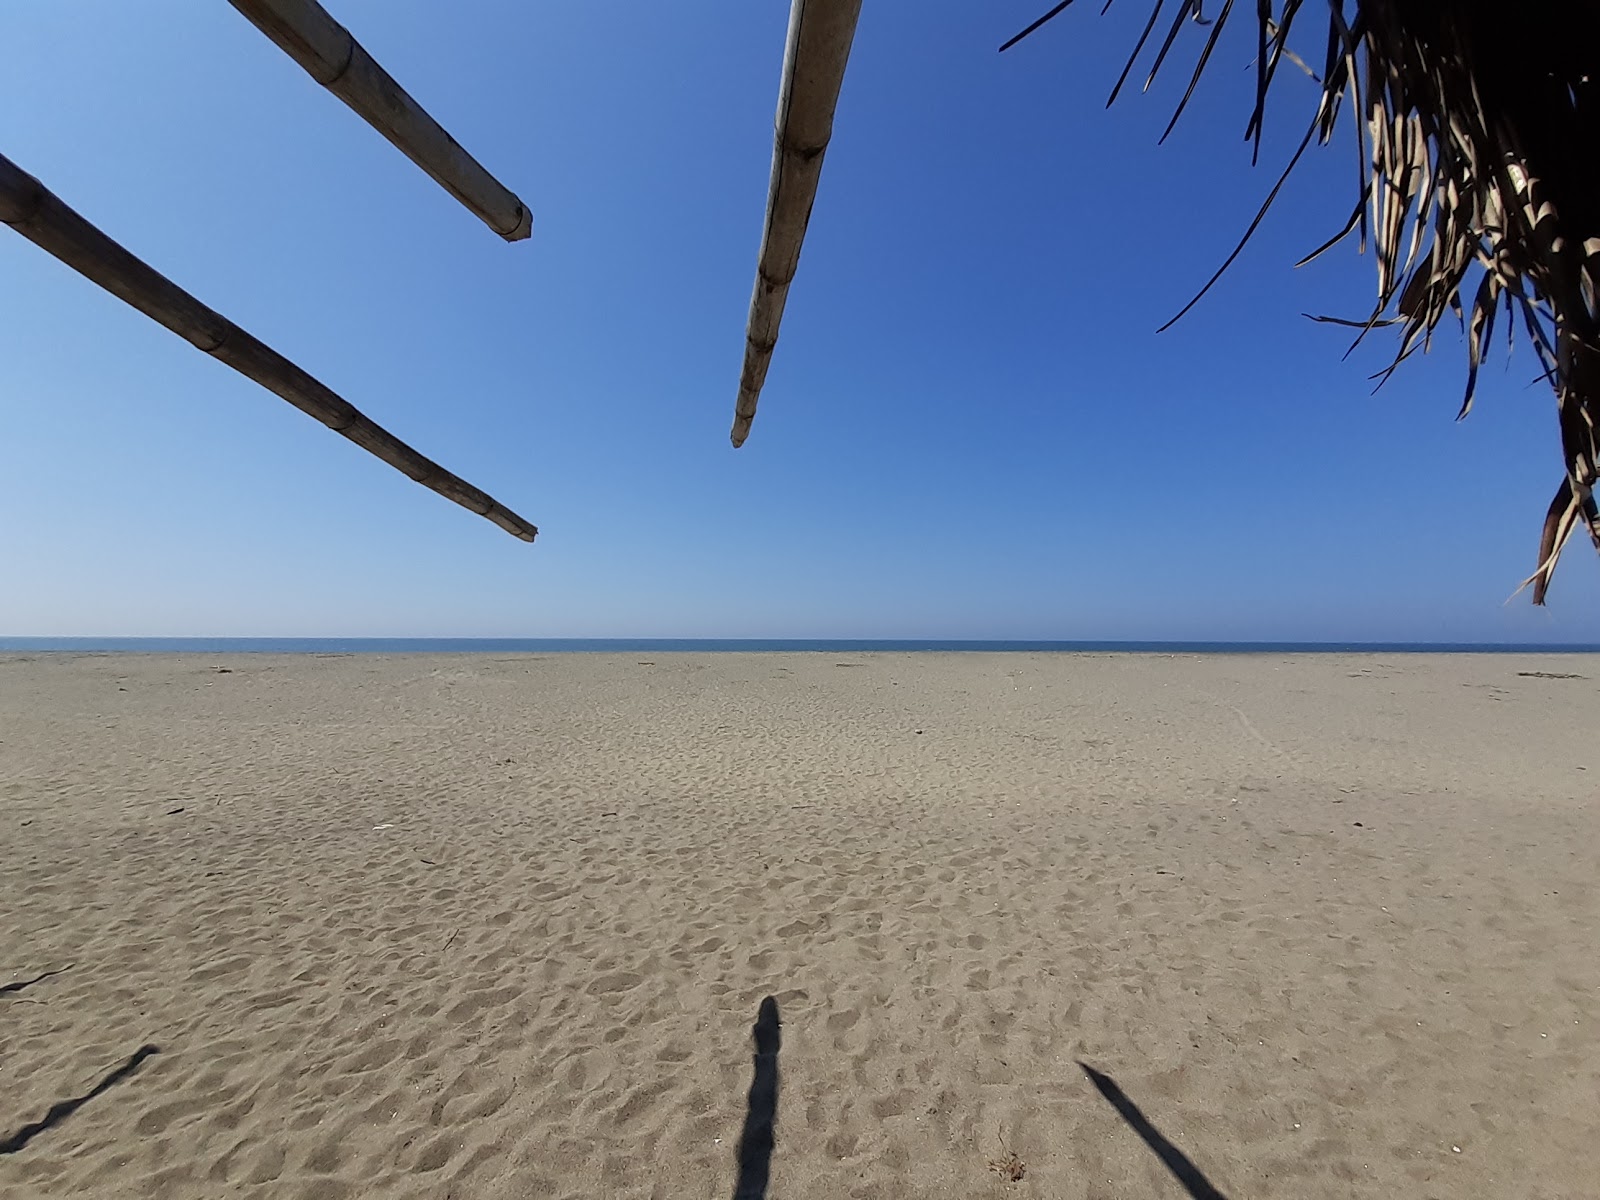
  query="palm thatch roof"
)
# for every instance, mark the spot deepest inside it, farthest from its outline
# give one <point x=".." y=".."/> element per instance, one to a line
<point x="1476" y="126"/>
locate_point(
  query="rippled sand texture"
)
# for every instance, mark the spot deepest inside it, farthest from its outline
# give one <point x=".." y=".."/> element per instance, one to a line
<point x="500" y="926"/>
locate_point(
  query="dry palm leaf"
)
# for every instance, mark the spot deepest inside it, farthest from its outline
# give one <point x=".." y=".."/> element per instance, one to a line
<point x="1477" y="128"/>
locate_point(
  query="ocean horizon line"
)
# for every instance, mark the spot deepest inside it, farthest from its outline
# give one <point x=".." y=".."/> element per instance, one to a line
<point x="471" y="645"/>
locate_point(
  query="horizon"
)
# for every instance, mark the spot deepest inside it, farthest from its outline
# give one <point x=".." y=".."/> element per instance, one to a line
<point x="970" y="430"/>
<point x="296" y="645"/>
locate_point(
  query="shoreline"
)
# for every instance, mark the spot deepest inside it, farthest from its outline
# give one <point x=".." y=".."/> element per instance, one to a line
<point x="394" y="647"/>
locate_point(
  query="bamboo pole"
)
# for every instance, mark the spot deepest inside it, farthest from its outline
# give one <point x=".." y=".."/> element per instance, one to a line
<point x="40" y="216"/>
<point x="814" y="58"/>
<point x="306" y="33"/>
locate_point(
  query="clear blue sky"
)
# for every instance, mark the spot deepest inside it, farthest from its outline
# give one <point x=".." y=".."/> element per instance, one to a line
<point x="971" y="428"/>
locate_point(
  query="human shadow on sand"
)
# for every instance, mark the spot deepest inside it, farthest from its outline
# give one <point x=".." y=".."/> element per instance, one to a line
<point x="755" y="1143"/>
<point x="1190" y="1176"/>
<point x="62" y="1109"/>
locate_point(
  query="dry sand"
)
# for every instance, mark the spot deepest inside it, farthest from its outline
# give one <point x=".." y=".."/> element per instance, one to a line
<point x="499" y="926"/>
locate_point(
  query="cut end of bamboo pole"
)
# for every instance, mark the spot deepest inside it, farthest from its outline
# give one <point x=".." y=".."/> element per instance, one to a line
<point x="524" y="226"/>
<point x="513" y="524"/>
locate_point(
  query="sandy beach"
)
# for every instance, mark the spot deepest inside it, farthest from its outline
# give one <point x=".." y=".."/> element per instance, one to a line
<point x="500" y="926"/>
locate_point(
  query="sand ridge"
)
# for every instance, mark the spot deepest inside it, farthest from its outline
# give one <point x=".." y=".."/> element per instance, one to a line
<point x="500" y="926"/>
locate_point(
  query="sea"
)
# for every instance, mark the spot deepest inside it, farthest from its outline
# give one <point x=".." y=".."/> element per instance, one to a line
<point x="267" y="645"/>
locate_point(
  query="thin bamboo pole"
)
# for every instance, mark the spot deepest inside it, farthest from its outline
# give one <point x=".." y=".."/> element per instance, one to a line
<point x="306" y="33"/>
<point x="814" y="59"/>
<point x="40" y="216"/>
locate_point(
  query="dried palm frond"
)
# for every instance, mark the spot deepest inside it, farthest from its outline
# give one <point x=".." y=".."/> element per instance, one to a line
<point x="1477" y="129"/>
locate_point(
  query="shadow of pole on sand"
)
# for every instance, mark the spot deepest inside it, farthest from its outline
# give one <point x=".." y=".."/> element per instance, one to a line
<point x="1175" y="1160"/>
<point x="7" y="989"/>
<point x="755" y="1143"/>
<point x="62" y="1109"/>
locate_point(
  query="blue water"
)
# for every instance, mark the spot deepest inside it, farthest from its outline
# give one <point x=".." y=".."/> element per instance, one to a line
<point x="83" y="645"/>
